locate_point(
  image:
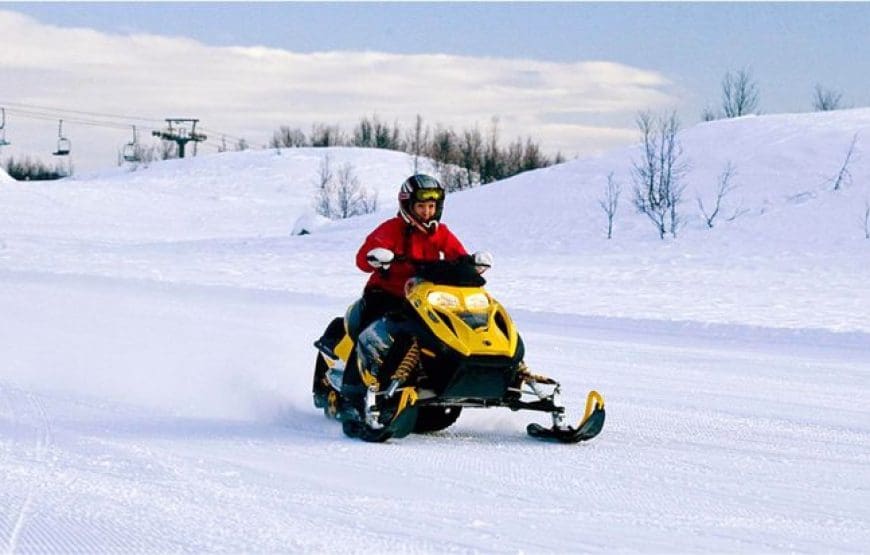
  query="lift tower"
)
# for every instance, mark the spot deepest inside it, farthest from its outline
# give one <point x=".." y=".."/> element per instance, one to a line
<point x="3" y="141"/>
<point x="180" y="135"/>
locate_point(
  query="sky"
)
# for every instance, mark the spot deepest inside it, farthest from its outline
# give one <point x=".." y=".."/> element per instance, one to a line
<point x="572" y="76"/>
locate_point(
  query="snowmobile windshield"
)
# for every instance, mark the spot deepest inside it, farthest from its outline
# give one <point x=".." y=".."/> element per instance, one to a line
<point x="459" y="273"/>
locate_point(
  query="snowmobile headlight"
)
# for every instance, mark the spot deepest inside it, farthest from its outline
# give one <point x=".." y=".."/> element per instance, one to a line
<point x="446" y="301"/>
<point x="477" y="301"/>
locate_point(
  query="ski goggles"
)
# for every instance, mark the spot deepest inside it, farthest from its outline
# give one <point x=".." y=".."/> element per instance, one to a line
<point x="421" y="195"/>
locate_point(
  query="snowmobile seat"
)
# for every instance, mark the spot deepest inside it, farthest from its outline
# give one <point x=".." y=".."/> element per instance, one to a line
<point x="353" y="319"/>
<point x="331" y="337"/>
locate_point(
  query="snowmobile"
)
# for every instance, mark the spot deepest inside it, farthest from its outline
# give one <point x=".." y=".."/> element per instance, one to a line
<point x="451" y="347"/>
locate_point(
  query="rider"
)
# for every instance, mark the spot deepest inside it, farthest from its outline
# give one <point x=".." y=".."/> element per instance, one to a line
<point x="414" y="234"/>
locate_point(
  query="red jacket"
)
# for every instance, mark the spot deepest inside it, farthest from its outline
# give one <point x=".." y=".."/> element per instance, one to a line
<point x="408" y="242"/>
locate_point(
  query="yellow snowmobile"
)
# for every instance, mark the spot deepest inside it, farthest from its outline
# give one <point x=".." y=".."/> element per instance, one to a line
<point x="451" y="347"/>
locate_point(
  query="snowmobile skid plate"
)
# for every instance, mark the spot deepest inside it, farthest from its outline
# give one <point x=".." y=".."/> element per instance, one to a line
<point x="589" y="427"/>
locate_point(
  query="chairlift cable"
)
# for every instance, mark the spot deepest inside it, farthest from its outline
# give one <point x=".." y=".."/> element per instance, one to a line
<point x="82" y="112"/>
<point x="47" y="113"/>
<point x="49" y="117"/>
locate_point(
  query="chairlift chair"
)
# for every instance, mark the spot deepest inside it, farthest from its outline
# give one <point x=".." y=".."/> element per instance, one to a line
<point x="3" y="141"/>
<point x="130" y="153"/>
<point x="63" y="144"/>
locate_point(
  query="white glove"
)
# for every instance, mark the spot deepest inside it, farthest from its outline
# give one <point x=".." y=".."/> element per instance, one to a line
<point x="483" y="261"/>
<point x="380" y="258"/>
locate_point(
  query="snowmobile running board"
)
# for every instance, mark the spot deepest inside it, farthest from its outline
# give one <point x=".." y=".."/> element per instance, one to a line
<point x="589" y="427"/>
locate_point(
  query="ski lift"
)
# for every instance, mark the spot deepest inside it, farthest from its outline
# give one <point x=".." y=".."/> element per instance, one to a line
<point x="3" y="141"/>
<point x="130" y="152"/>
<point x="63" y="144"/>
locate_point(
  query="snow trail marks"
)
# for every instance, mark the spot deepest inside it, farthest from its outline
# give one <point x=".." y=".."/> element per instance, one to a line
<point x="27" y="412"/>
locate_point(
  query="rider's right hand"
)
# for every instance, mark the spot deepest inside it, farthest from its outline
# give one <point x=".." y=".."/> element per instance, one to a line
<point x="482" y="261"/>
<point x="380" y="258"/>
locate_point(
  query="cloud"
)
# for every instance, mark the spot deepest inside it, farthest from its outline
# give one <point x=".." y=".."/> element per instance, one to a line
<point x="249" y="91"/>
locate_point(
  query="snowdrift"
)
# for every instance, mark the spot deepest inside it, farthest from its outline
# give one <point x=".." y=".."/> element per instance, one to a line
<point x="5" y="177"/>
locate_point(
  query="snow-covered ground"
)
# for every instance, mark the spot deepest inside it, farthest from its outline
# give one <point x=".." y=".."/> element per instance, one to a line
<point x="155" y="360"/>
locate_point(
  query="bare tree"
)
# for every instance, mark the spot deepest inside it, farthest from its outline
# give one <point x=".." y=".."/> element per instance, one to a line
<point x="340" y="195"/>
<point x="373" y="133"/>
<point x="658" y="186"/>
<point x="610" y="202"/>
<point x="326" y="135"/>
<point x="844" y="176"/>
<point x="491" y="166"/>
<point x="35" y="170"/>
<point x="471" y="153"/>
<point x="444" y="152"/>
<point x="533" y="158"/>
<point x="352" y="198"/>
<point x="739" y="94"/>
<point x="168" y="150"/>
<point x="708" y="114"/>
<point x="724" y="188"/>
<point x="825" y="100"/>
<point x="288" y="137"/>
<point x="416" y="140"/>
<point x="388" y="137"/>
<point x="364" y="133"/>
<point x="867" y="219"/>
<point x="452" y="177"/>
<point x="513" y="157"/>
<point x="325" y="184"/>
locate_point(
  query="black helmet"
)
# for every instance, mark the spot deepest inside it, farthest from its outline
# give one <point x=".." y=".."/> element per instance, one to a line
<point x="421" y="188"/>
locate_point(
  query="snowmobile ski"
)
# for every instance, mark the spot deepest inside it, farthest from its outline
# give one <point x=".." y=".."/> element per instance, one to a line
<point x="399" y="426"/>
<point x="589" y="427"/>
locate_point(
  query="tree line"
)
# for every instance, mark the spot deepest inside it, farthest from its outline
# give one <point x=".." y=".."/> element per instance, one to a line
<point x="462" y="159"/>
<point x="28" y="169"/>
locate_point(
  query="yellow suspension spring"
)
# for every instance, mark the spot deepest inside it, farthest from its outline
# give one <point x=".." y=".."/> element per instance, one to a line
<point x="409" y="363"/>
<point x="525" y="374"/>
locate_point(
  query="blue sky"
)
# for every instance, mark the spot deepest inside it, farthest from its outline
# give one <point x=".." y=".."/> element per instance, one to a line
<point x="789" y="47"/>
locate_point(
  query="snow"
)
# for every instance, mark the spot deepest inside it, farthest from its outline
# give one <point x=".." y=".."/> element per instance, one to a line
<point x="5" y="177"/>
<point x="156" y="356"/>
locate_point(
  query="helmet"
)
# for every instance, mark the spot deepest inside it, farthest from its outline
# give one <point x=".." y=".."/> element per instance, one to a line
<point x="421" y="188"/>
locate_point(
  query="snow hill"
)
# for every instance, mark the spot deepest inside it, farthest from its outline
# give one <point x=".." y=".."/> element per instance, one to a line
<point x="156" y="358"/>
<point x="4" y="177"/>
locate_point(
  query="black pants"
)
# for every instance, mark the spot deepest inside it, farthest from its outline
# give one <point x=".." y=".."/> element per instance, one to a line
<point x="376" y="303"/>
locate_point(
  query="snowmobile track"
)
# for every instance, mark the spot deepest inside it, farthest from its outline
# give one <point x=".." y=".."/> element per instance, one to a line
<point x="28" y="412"/>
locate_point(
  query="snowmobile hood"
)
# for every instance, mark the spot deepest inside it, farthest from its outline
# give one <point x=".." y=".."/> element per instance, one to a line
<point x="466" y="319"/>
